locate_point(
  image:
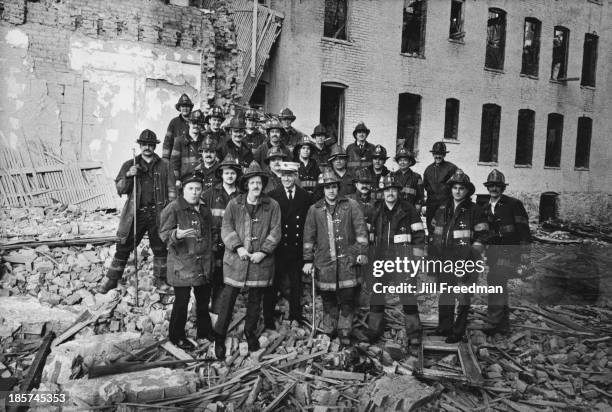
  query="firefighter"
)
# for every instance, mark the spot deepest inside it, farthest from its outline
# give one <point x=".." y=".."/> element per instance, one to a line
<point x="378" y="168"/>
<point x="460" y="232"/>
<point x="294" y="203"/>
<point x="214" y="132"/>
<point x="207" y="168"/>
<point x="291" y="136"/>
<point x="274" y="158"/>
<point x="308" y="170"/>
<point x="217" y="198"/>
<point x="335" y="241"/>
<point x="235" y="146"/>
<point x="337" y="159"/>
<point x="360" y="152"/>
<point x="186" y="150"/>
<point x="363" y="194"/>
<point x="322" y="151"/>
<point x="179" y="126"/>
<point x="186" y="230"/>
<point x="509" y="226"/>
<point x="411" y="182"/>
<point x="398" y="232"/>
<point x="251" y="231"/>
<point x="434" y="181"/>
<point x="154" y="190"/>
<point x="274" y="130"/>
<point x="254" y="137"/>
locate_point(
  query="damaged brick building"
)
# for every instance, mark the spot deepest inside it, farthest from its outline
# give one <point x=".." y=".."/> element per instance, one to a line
<point x="521" y="86"/>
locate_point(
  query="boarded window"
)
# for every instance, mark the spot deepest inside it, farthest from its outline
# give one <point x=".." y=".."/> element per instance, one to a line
<point x="589" y="60"/>
<point x="408" y="120"/>
<point x="413" y="27"/>
<point x="456" y="20"/>
<point x="524" y="137"/>
<point x="531" y="47"/>
<point x="489" y="133"/>
<point x="334" y="25"/>
<point x="554" y="136"/>
<point x="332" y="110"/>
<point x="583" y="142"/>
<point x="559" y="55"/>
<point x="496" y="39"/>
<point x="451" y="119"/>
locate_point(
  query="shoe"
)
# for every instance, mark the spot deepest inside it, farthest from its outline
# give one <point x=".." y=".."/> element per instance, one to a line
<point x="220" y="347"/>
<point x="184" y="344"/>
<point x="107" y="286"/>
<point x="454" y="338"/>
<point x="252" y="341"/>
<point x="442" y="332"/>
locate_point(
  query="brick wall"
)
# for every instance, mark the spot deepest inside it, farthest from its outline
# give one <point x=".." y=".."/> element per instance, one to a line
<point x="375" y="72"/>
<point x="95" y="73"/>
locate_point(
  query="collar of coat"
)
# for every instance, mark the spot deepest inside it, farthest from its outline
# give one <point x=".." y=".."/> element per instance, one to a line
<point x="146" y="164"/>
<point x="400" y="206"/>
<point x="464" y="204"/>
<point x="263" y="199"/>
<point x="321" y="202"/>
<point x="183" y="205"/>
<point x="502" y="199"/>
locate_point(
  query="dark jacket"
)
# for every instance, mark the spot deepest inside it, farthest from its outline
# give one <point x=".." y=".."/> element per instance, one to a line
<point x="412" y="186"/>
<point x="509" y="226"/>
<point x="368" y="208"/>
<point x="378" y="193"/>
<point x="333" y="242"/>
<point x="260" y="232"/>
<point x="274" y="181"/>
<point x="217" y="138"/>
<point x="185" y="155"/>
<point x="242" y="153"/>
<point x="293" y="216"/>
<point x="209" y="175"/>
<point x="163" y="189"/>
<point x="347" y="183"/>
<point x="254" y="140"/>
<point x="358" y="158"/>
<point x="322" y="156"/>
<point x="308" y="175"/>
<point x="216" y="199"/>
<point x="291" y="137"/>
<point x="189" y="259"/>
<point x="434" y="182"/>
<point x="177" y="127"/>
<point x="262" y="152"/>
<point x="397" y="229"/>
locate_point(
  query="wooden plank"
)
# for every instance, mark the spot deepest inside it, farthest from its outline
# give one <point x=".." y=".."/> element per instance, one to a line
<point x="94" y="239"/>
<point x="83" y="320"/>
<point x="469" y="365"/>
<point x="176" y="351"/>
<point x="343" y="375"/>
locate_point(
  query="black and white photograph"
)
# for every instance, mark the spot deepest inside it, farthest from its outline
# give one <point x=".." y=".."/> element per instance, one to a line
<point x="306" y="205"/>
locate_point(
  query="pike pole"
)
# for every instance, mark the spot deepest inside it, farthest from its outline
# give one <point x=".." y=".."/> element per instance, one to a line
<point x="314" y="312"/>
<point x="134" y="194"/>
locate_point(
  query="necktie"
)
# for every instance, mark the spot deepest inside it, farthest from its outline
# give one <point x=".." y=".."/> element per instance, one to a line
<point x="290" y="192"/>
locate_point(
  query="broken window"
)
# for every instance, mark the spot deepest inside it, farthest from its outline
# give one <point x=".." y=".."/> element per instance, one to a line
<point x="531" y="47"/>
<point x="413" y="27"/>
<point x="496" y="39"/>
<point x="589" y="60"/>
<point x="554" y="135"/>
<point x="408" y="120"/>
<point x="583" y="142"/>
<point x="524" y="137"/>
<point x="334" y="25"/>
<point x="456" y="20"/>
<point x="559" y="55"/>
<point x="451" y="119"/>
<point x="332" y="110"/>
<point x="258" y="98"/>
<point x="489" y="133"/>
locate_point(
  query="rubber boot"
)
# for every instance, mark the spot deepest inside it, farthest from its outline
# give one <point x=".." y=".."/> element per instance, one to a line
<point x="159" y="273"/>
<point x="376" y="325"/>
<point x="115" y="272"/>
<point x="345" y="325"/>
<point x="219" y="346"/>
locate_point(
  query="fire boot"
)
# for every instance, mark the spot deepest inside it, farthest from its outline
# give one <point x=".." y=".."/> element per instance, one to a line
<point x="329" y="323"/>
<point x="412" y="325"/>
<point x="252" y="341"/>
<point x="345" y="325"/>
<point x="219" y="346"/>
<point x="115" y="271"/>
<point x="159" y="273"/>
<point x="376" y="325"/>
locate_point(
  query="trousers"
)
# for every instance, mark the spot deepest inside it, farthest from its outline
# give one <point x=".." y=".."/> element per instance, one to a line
<point x="178" y="317"/>
<point x="225" y="305"/>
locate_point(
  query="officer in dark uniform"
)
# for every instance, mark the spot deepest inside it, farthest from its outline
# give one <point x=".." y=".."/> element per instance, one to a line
<point x="510" y="236"/>
<point x="294" y="203"/>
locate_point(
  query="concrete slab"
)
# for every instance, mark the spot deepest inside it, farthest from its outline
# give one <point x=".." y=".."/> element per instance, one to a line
<point x="143" y="386"/>
<point x="27" y="309"/>
<point x="395" y="393"/>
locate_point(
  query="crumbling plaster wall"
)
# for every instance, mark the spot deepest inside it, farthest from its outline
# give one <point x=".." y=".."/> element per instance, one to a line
<point x="86" y="77"/>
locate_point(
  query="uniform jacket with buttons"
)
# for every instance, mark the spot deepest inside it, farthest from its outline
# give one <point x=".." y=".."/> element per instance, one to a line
<point x="509" y="226"/>
<point x="209" y="174"/>
<point x="216" y="199"/>
<point x="185" y="154"/>
<point x="163" y="190"/>
<point x="412" y="186"/>
<point x="359" y="158"/>
<point x="434" y="181"/>
<point x="260" y="232"/>
<point x="333" y="241"/>
<point x="178" y="126"/>
<point x="293" y="216"/>
<point x="242" y="152"/>
<point x="461" y="232"/>
<point x="189" y="259"/>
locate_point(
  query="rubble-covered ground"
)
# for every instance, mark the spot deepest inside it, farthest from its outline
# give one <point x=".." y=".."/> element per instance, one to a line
<point x="557" y="356"/>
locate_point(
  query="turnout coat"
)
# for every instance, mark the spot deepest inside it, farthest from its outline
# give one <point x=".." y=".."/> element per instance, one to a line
<point x="260" y="232"/>
<point x="216" y="198"/>
<point x="359" y="158"/>
<point x="509" y="225"/>
<point x="412" y="186"/>
<point x="333" y="242"/>
<point x="189" y="259"/>
<point x="163" y="190"/>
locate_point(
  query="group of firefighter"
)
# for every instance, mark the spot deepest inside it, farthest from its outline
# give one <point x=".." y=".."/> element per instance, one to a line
<point x="229" y="207"/>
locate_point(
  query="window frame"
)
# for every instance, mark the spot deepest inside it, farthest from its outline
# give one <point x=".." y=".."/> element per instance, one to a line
<point x="422" y="32"/>
<point x="492" y="135"/>
<point x="560" y="78"/>
<point x="455" y="105"/>
<point x="502" y="39"/>
<point x="460" y="34"/>
<point x="592" y="72"/>
<point x="551" y="156"/>
<point x="524" y="137"/>
<point x="346" y="20"/>
<point x="536" y="47"/>
<point x="581" y="151"/>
